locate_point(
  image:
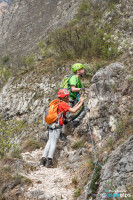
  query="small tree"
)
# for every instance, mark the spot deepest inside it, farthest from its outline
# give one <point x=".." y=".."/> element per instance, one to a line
<point x="5" y="59"/>
<point x="28" y="62"/>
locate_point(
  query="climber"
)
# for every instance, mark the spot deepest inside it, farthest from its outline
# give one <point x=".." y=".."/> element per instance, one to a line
<point x="76" y="88"/>
<point x="56" y="127"/>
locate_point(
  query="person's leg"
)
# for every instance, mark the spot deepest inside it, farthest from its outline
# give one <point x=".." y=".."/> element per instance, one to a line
<point x="45" y="152"/>
<point x="47" y="147"/>
<point x="53" y="138"/>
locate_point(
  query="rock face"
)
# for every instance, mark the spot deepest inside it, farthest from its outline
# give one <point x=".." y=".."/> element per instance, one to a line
<point x="116" y="175"/>
<point x="22" y="98"/>
<point x="3" y="6"/>
<point x="102" y="97"/>
<point x="7" y="1"/>
<point x="105" y="101"/>
<point x="27" y="22"/>
<point x="28" y="96"/>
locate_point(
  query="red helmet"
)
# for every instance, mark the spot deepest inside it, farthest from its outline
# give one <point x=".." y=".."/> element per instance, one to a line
<point x="63" y="93"/>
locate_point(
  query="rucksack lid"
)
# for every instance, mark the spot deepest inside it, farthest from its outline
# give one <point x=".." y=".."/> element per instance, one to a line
<point x="64" y="83"/>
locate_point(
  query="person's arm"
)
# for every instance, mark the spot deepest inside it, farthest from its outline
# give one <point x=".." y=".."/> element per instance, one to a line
<point x="74" y="89"/>
<point x="77" y="106"/>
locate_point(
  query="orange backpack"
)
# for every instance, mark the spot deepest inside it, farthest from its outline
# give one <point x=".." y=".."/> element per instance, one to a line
<point x="51" y="112"/>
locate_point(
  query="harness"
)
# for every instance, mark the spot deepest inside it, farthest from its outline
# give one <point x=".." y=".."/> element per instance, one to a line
<point x="58" y="126"/>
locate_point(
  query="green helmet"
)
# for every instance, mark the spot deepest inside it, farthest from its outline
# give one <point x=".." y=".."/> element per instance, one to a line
<point x="77" y="66"/>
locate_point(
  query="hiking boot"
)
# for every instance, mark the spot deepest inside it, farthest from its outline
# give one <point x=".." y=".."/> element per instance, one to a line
<point x="43" y="161"/>
<point x="75" y="124"/>
<point x="49" y="163"/>
<point x="63" y="137"/>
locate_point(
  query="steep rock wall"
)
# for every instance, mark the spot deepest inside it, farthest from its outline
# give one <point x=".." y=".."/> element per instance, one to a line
<point x="107" y="101"/>
<point x="116" y="175"/>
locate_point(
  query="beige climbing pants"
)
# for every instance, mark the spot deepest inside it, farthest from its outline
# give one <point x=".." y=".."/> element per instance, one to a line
<point x="52" y="141"/>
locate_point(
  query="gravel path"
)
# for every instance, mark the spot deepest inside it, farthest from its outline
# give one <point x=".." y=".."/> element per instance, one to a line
<point x="47" y="183"/>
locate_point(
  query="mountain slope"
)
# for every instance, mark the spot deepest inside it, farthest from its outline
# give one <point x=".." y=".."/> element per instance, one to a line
<point x="27" y="22"/>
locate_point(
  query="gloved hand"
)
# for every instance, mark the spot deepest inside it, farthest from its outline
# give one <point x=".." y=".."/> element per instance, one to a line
<point x="82" y="89"/>
<point x="81" y="99"/>
<point x="65" y="122"/>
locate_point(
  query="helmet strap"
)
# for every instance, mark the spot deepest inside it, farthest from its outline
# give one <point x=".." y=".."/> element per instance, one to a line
<point x="79" y="74"/>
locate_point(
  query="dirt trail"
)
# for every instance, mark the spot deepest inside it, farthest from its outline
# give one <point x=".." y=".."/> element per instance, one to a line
<point x="47" y="183"/>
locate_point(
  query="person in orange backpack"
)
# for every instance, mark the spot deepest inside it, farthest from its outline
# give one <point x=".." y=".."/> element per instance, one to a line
<point x="56" y="127"/>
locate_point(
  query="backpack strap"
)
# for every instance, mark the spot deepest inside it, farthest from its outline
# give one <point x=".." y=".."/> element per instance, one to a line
<point x="68" y="83"/>
<point x="60" y="114"/>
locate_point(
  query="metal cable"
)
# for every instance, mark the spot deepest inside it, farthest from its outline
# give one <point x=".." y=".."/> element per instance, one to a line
<point x="95" y="155"/>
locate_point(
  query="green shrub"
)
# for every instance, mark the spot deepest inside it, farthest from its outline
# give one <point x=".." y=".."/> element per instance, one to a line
<point x="120" y="128"/>
<point x="77" y="192"/>
<point x="82" y="38"/>
<point x="8" y="131"/>
<point x="5" y="143"/>
<point x="125" y="125"/>
<point x="18" y="178"/>
<point x="4" y="73"/>
<point x="110" y="142"/>
<point x="31" y="144"/>
<point x="42" y="49"/>
<point x="95" y="181"/>
<point x="17" y="153"/>
<point x="41" y="44"/>
<point x="28" y="61"/>
<point x="114" y="87"/>
<point x="88" y="69"/>
<point x="81" y="41"/>
<point x="7" y="168"/>
<point x="114" y="1"/>
<point x="5" y="59"/>
<point x="84" y="9"/>
<point x="78" y="144"/>
<point x="130" y="78"/>
<point x="75" y="181"/>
